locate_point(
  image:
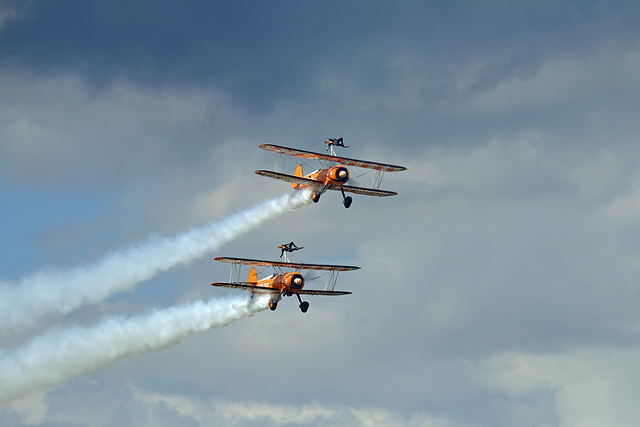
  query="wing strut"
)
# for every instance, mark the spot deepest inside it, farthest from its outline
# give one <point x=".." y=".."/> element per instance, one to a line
<point x="280" y="158"/>
<point x="234" y="274"/>
<point x="377" y="179"/>
<point x="332" y="279"/>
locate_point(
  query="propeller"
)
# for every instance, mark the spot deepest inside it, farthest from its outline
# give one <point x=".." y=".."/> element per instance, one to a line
<point x="356" y="181"/>
<point x="310" y="277"/>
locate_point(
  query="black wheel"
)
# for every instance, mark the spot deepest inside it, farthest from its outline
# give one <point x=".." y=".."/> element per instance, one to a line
<point x="315" y="196"/>
<point x="347" y="201"/>
<point x="273" y="305"/>
<point x="304" y="306"/>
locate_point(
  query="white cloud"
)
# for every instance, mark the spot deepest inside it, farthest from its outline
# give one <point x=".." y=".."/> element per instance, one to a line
<point x="59" y="131"/>
<point x="32" y="408"/>
<point x="590" y="387"/>
<point x="246" y="413"/>
<point x="626" y="206"/>
<point x="173" y="409"/>
<point x="524" y="166"/>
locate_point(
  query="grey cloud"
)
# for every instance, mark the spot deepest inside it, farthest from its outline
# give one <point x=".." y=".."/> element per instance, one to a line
<point x="56" y="130"/>
<point x="261" y="53"/>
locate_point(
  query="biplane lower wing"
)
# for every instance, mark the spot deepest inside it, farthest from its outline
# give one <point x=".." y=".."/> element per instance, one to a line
<point x="246" y="287"/>
<point x="262" y="289"/>
<point x="294" y="265"/>
<point x="365" y="191"/>
<point x="319" y="292"/>
<point x="342" y="160"/>
<point x="288" y="178"/>
<point x="306" y="181"/>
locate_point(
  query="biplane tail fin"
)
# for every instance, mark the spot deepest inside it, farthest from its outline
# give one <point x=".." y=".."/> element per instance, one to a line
<point x="298" y="173"/>
<point x="253" y="277"/>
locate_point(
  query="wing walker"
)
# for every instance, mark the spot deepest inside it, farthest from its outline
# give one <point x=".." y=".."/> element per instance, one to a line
<point x="288" y="248"/>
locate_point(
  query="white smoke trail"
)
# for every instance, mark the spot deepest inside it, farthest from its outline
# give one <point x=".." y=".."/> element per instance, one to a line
<point x="50" y="360"/>
<point x="46" y="292"/>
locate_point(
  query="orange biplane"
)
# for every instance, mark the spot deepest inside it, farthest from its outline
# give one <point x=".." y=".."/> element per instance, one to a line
<point x="333" y="176"/>
<point x="281" y="283"/>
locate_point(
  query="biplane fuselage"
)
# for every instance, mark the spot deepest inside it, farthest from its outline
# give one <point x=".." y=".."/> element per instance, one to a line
<point x="284" y="283"/>
<point x="334" y="176"/>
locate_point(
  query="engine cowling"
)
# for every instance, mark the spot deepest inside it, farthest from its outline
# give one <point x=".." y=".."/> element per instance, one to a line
<point x="339" y="174"/>
<point x="294" y="281"/>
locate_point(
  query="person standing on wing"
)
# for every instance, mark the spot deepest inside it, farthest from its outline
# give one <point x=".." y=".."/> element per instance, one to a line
<point x="288" y="247"/>
<point x="337" y="142"/>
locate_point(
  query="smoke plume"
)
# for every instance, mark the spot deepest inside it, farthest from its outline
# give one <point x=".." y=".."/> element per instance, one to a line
<point x="51" y="359"/>
<point x="47" y="292"/>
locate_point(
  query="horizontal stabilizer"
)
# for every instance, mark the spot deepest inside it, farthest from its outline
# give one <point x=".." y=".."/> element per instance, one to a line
<point x="288" y="178"/>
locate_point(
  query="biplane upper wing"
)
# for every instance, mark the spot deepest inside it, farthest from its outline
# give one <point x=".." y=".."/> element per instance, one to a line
<point x="246" y="287"/>
<point x="294" y="265"/>
<point x="364" y="191"/>
<point x="343" y="160"/>
<point x="288" y="178"/>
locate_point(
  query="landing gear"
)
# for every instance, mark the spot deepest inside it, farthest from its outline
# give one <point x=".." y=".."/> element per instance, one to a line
<point x="304" y="305"/>
<point x="273" y="305"/>
<point x="315" y="195"/>
<point x="346" y="199"/>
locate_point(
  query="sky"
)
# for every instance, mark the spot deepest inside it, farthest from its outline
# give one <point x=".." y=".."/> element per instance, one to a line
<point x="498" y="288"/>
